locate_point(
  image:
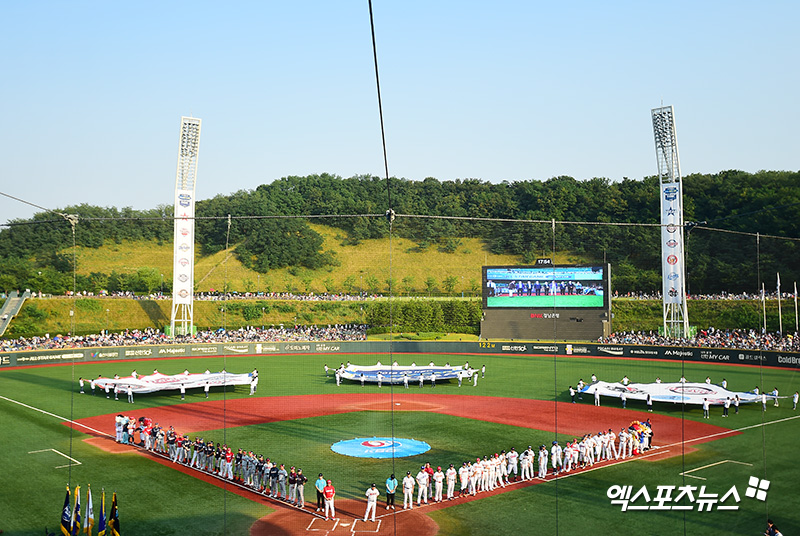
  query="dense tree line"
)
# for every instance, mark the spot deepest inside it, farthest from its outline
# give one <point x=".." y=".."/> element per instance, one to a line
<point x="766" y="202"/>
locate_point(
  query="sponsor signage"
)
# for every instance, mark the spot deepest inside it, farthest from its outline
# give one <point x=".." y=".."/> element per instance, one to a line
<point x="713" y="355"/>
<point x="49" y="357"/>
<point x="297" y="347"/>
<point x="172" y="350"/>
<point x="204" y="349"/>
<point x="135" y="352"/>
<point x="611" y="350"/>
<point x="237" y="348"/>
<point x="104" y="354"/>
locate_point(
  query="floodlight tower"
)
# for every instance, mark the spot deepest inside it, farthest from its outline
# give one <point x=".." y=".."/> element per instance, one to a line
<point x="673" y="270"/>
<point x="182" y="321"/>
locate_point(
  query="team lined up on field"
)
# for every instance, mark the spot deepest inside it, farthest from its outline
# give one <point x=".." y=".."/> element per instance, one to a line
<point x="501" y="469"/>
<point x="256" y="472"/>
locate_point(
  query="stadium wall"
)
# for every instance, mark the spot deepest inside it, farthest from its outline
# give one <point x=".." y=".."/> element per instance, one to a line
<point x="789" y="360"/>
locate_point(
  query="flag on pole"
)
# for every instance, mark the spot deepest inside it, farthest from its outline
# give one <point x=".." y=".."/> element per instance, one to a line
<point x="113" y="517"/>
<point x="75" y="525"/>
<point x="795" y="308"/>
<point x="101" y="520"/>
<point x="780" y="315"/>
<point x="65" y="516"/>
<point x="88" y="522"/>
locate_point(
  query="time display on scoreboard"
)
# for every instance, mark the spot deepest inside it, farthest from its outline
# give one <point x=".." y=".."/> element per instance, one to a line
<point x="545" y="287"/>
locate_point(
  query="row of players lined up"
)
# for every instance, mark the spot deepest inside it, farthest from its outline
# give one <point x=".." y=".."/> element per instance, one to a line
<point x="260" y="474"/>
<point x="501" y="469"/>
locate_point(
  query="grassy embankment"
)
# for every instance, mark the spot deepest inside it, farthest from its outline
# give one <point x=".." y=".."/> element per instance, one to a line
<point x="372" y="259"/>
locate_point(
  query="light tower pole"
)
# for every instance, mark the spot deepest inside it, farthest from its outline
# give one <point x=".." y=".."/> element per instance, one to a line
<point x="182" y="320"/>
<point x="673" y="269"/>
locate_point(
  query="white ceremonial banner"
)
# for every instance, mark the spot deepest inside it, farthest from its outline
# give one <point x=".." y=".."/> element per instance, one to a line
<point x="161" y="382"/>
<point x="688" y="393"/>
<point x="390" y="374"/>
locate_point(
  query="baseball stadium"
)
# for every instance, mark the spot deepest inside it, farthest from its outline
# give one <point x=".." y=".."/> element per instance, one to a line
<point x="373" y="355"/>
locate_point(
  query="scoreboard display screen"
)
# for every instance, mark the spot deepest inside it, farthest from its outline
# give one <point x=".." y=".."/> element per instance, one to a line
<point x="545" y="287"/>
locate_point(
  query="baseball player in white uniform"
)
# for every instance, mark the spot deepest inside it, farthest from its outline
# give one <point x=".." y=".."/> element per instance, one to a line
<point x="372" y="501"/>
<point x="438" y="483"/>
<point x="422" y="482"/>
<point x="463" y="475"/>
<point x="408" y="491"/>
<point x="512" y="458"/>
<point x="450" y="475"/>
<point x="474" y="476"/>
<point x="527" y="463"/>
<point x="542" y="462"/>
<point x="623" y="443"/>
<point x="556" y="453"/>
<point x="612" y="445"/>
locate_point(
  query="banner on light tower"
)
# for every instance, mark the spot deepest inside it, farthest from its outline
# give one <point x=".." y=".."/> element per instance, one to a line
<point x="182" y="321"/>
<point x="672" y="244"/>
<point x="673" y="271"/>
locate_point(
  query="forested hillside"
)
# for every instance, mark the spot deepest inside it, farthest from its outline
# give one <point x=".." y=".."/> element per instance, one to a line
<point x="742" y="204"/>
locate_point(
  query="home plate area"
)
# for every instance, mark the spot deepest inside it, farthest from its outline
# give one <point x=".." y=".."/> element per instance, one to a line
<point x="349" y="520"/>
<point x="364" y="526"/>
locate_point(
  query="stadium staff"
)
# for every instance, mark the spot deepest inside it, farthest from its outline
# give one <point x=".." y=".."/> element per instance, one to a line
<point x="319" y="485"/>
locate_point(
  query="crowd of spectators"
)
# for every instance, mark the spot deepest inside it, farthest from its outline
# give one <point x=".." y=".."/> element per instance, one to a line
<point x="712" y="338"/>
<point x="656" y="295"/>
<point x="134" y="337"/>
<point x="213" y="295"/>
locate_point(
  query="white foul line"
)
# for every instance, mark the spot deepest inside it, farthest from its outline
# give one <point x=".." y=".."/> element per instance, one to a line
<point x="56" y="416"/>
<point x="686" y="473"/>
<point x="60" y="453"/>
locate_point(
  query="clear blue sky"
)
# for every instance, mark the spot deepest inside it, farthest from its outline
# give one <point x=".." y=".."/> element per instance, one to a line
<point x="92" y="92"/>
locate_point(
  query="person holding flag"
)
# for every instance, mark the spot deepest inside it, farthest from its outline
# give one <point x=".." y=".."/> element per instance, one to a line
<point x="88" y="522"/>
<point x="101" y="521"/>
<point x="75" y="522"/>
<point x="65" y="516"/>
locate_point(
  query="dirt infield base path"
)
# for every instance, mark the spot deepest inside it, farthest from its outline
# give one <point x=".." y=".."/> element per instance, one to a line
<point x="569" y="419"/>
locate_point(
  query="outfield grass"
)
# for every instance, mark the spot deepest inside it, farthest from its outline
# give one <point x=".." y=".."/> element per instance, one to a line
<point x="156" y="499"/>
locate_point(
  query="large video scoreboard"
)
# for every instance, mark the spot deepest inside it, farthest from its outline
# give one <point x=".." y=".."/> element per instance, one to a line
<point x="546" y="301"/>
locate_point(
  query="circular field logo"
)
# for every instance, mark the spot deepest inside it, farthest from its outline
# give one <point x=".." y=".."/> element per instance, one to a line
<point x="379" y="444"/>
<point x="380" y="447"/>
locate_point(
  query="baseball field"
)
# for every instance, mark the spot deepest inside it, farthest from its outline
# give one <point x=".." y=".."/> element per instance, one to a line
<point x="54" y="436"/>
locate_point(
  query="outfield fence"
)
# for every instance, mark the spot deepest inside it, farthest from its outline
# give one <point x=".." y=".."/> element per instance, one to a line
<point x="787" y="360"/>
